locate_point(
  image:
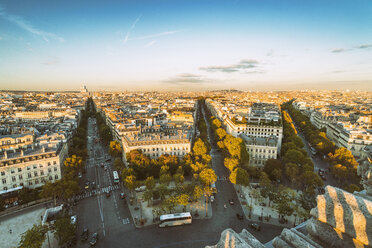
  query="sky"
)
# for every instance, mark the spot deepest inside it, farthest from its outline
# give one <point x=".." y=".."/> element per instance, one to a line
<point x="185" y="44"/>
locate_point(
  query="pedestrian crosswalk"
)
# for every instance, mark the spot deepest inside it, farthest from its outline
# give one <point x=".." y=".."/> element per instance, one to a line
<point x="222" y="178"/>
<point x="98" y="191"/>
<point x="126" y="221"/>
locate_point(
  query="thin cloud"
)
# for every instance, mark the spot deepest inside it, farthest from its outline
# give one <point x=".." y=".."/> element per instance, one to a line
<point x="244" y="66"/>
<point x="20" y="22"/>
<point x="126" y="38"/>
<point x="51" y="61"/>
<point x="338" y="50"/>
<point x="150" y="44"/>
<point x="155" y="35"/>
<point x="186" y="79"/>
<point x="364" y="46"/>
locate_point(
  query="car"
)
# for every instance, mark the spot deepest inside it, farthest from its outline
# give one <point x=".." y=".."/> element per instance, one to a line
<point x="212" y="198"/>
<point x="240" y="216"/>
<point x="105" y="168"/>
<point x="108" y="194"/>
<point x="231" y="202"/>
<point x="87" y="185"/>
<point x="80" y="175"/>
<point x="255" y="226"/>
<point x="94" y="239"/>
<point x="102" y="165"/>
<point x="108" y="160"/>
<point x="122" y="195"/>
<point x="84" y="234"/>
<point x="73" y="219"/>
<point x="323" y="177"/>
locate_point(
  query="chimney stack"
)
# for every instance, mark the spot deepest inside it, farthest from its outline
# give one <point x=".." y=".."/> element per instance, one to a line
<point x="22" y="153"/>
<point x="5" y="155"/>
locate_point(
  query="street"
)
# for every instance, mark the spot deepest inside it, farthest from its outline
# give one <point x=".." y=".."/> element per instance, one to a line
<point x="110" y="216"/>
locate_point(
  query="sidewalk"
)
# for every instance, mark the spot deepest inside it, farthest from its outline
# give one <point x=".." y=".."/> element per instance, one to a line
<point x="268" y="214"/>
<point x="148" y="213"/>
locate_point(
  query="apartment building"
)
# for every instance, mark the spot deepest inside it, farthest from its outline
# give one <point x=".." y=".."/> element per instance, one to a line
<point x="30" y="167"/>
<point x="260" y="149"/>
<point x="16" y="141"/>
<point x="156" y="145"/>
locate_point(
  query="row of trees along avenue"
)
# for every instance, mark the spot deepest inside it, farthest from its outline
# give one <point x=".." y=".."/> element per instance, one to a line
<point x="343" y="164"/>
<point x="64" y="188"/>
<point x="170" y="180"/>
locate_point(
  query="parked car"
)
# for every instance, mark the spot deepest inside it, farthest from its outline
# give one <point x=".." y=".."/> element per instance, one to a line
<point x="105" y="168"/>
<point x="255" y="226"/>
<point x="231" y="202"/>
<point x="93" y="185"/>
<point x="141" y="189"/>
<point x="85" y="234"/>
<point x="240" y="216"/>
<point x="87" y="185"/>
<point x="94" y="239"/>
<point x="212" y="198"/>
<point x="102" y="165"/>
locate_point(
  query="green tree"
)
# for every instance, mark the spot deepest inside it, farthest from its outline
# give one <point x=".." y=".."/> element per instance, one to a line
<point x="242" y="177"/>
<point x="74" y="162"/>
<point x="165" y="179"/>
<point x="118" y="164"/>
<point x="292" y="172"/>
<point x="147" y="196"/>
<point x="352" y="188"/>
<point x="310" y="180"/>
<point x="150" y="183"/>
<point x="178" y="178"/>
<point x="273" y="168"/>
<point x="33" y="238"/>
<point x="283" y="201"/>
<point x="51" y="190"/>
<point x="64" y="231"/>
<point x="294" y="156"/>
<point x="163" y="191"/>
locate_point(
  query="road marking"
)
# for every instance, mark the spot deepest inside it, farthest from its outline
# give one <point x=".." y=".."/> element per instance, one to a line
<point x="126" y="221"/>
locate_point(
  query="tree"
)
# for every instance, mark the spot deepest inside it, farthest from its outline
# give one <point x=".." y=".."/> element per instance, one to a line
<point x="69" y="187"/>
<point x="310" y="180"/>
<point x="64" y="230"/>
<point x="183" y="200"/>
<point x="178" y="178"/>
<point x="294" y="156"/>
<point x="197" y="192"/>
<point x="221" y="133"/>
<point x="198" y="166"/>
<point x="130" y="182"/>
<point x="115" y="148"/>
<point x="170" y="204"/>
<point x="163" y="191"/>
<point x="352" y="188"/>
<point x="216" y="123"/>
<point x="75" y="163"/>
<point x="199" y="148"/>
<point x="147" y="196"/>
<point x="273" y="168"/>
<point x="150" y="183"/>
<point x="231" y="163"/>
<point x="283" y="202"/>
<point x="165" y="179"/>
<point x="339" y="171"/>
<point x="118" y="164"/>
<point x="33" y="238"/>
<point x="208" y="176"/>
<point x="239" y="176"/>
<point x="51" y="190"/>
<point x="291" y="171"/>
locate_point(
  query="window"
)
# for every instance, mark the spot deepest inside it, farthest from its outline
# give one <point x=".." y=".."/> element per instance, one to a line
<point x="13" y="178"/>
<point x="21" y="184"/>
<point x="50" y="178"/>
<point x="54" y="162"/>
<point x="28" y="168"/>
<point x="4" y="181"/>
<point x="5" y="188"/>
<point x="49" y="163"/>
<point x="36" y="181"/>
<point x="56" y="176"/>
<point x="49" y="170"/>
<point x="20" y="177"/>
<point x="35" y="173"/>
<point x="55" y="168"/>
<point x="29" y="175"/>
<point x="41" y="166"/>
<point x="19" y="169"/>
<point x="42" y="173"/>
<point x="3" y="173"/>
<point x="29" y="183"/>
<point x="35" y="166"/>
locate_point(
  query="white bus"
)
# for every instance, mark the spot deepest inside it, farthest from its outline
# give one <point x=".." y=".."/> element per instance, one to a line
<point x="116" y="176"/>
<point x="175" y="219"/>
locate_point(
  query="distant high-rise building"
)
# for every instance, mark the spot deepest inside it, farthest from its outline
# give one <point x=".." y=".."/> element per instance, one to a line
<point x="83" y="89"/>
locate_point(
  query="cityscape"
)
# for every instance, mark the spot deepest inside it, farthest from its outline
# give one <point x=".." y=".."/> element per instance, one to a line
<point x="174" y="124"/>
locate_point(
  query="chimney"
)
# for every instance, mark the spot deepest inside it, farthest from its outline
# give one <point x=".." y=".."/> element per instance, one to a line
<point x="22" y="153"/>
<point x="5" y="155"/>
<point x="42" y="148"/>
